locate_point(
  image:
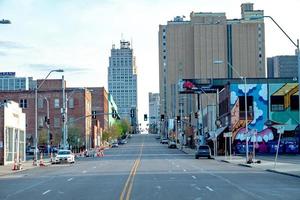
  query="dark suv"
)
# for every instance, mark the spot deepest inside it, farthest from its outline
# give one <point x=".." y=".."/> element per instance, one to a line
<point x="203" y="151"/>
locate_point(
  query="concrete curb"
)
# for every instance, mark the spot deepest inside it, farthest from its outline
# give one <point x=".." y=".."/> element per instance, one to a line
<point x="283" y="173"/>
<point x="47" y="163"/>
<point x="245" y="165"/>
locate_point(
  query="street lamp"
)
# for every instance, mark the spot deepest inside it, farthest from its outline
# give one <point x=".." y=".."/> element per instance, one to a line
<point x="298" y="54"/>
<point x="36" y="89"/>
<point x="246" y="109"/>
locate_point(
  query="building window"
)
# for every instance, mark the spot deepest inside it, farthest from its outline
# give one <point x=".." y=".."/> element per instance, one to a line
<point x="40" y="103"/>
<point x="23" y="103"/>
<point x="277" y="103"/>
<point x="56" y="122"/>
<point x="56" y="103"/>
<point x="249" y="107"/>
<point x="71" y="102"/>
<point x="41" y="122"/>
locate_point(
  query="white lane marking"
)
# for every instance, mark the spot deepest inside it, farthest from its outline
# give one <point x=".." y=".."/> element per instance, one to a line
<point x="70" y="179"/>
<point x="184" y="170"/>
<point x="95" y="167"/>
<point x="198" y="188"/>
<point x="158" y="187"/>
<point x="177" y="165"/>
<point x="207" y="187"/>
<point x="194" y="177"/>
<point x="46" y="192"/>
<point x="84" y="171"/>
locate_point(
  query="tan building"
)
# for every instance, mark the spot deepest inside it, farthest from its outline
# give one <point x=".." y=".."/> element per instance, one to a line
<point x="189" y="49"/>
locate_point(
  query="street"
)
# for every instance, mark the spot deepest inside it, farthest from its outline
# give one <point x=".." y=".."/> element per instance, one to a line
<point x="144" y="169"/>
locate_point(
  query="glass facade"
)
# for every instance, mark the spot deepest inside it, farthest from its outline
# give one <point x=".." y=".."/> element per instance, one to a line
<point x="14" y="144"/>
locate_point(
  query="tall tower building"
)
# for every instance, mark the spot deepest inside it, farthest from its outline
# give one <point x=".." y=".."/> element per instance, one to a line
<point x="282" y="66"/>
<point x="122" y="79"/>
<point x="188" y="49"/>
<point x="154" y="112"/>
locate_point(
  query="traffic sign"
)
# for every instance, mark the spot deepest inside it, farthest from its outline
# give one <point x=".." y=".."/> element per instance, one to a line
<point x="228" y="134"/>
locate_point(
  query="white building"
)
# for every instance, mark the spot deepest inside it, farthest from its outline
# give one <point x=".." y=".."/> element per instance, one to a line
<point x="12" y="133"/>
<point x="122" y="79"/>
<point x="154" y="112"/>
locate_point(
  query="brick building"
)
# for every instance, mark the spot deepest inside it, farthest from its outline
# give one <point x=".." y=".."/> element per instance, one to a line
<point x="50" y="94"/>
<point x="100" y="107"/>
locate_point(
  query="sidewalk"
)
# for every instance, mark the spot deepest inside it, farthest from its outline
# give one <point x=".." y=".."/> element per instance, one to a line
<point x="7" y="169"/>
<point x="285" y="168"/>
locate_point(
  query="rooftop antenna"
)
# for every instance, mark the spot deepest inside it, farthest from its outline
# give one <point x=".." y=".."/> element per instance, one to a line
<point x="131" y="42"/>
<point x="122" y="39"/>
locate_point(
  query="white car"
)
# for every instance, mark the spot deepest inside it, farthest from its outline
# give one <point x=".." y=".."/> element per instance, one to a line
<point x="64" y="156"/>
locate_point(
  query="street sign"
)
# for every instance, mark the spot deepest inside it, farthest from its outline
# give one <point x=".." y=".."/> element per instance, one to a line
<point x="228" y="134"/>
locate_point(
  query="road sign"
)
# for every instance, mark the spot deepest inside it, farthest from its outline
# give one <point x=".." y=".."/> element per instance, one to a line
<point x="228" y="134"/>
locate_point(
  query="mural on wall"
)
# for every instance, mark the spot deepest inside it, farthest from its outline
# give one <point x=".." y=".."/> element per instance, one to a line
<point x="279" y="101"/>
<point x="283" y="104"/>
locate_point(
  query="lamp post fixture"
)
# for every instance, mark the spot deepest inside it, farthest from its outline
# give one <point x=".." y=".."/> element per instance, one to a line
<point x="36" y="126"/>
<point x="296" y="44"/>
<point x="246" y="108"/>
<point x="5" y="21"/>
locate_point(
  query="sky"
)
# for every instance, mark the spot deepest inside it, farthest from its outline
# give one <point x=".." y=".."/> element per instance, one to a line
<point x="77" y="35"/>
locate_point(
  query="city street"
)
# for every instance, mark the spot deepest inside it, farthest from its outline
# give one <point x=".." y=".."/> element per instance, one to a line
<point x="144" y="169"/>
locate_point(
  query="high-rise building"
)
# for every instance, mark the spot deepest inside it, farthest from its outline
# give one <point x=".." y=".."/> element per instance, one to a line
<point x="282" y="66"/>
<point x="154" y="112"/>
<point x="188" y="49"/>
<point x="9" y="81"/>
<point x="122" y="79"/>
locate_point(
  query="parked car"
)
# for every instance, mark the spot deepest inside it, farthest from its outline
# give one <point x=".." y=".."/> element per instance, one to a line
<point x="64" y="156"/>
<point x="164" y="141"/>
<point x="172" y="144"/>
<point x="114" y="144"/>
<point x="30" y="150"/>
<point x="203" y="151"/>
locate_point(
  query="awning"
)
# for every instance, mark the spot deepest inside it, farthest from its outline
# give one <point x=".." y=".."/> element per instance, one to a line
<point x="217" y="133"/>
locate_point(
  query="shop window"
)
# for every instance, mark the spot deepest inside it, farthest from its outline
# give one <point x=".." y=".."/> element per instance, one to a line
<point x="277" y="103"/>
<point x="294" y="102"/>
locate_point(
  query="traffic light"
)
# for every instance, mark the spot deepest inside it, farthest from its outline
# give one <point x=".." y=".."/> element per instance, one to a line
<point x="132" y="113"/>
<point x="48" y="121"/>
<point x="145" y="117"/>
<point x="162" y="117"/>
<point x="114" y="113"/>
<point x="63" y="117"/>
<point x="196" y="115"/>
<point x="178" y="119"/>
<point x="94" y="114"/>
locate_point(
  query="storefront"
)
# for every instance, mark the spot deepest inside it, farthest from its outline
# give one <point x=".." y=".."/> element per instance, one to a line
<point x="12" y="133"/>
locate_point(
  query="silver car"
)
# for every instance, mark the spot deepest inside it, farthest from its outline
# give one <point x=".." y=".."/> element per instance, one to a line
<point x="203" y="151"/>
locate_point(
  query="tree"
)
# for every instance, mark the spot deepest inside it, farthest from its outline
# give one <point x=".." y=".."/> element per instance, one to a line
<point x="74" y="137"/>
<point x="43" y="137"/>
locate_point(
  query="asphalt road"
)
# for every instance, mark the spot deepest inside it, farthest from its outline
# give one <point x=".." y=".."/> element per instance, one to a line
<point x="144" y="169"/>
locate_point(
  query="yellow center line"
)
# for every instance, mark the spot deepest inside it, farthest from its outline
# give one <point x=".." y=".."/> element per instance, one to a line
<point x="130" y="179"/>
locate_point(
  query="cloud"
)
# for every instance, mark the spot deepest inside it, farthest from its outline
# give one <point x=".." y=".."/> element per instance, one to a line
<point x="233" y="97"/>
<point x="248" y="87"/>
<point x="12" y="45"/>
<point x="257" y="113"/>
<point x="48" y="67"/>
<point x="263" y="93"/>
<point x="2" y="53"/>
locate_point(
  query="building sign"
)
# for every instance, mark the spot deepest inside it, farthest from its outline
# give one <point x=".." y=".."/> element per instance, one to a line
<point x="7" y="73"/>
